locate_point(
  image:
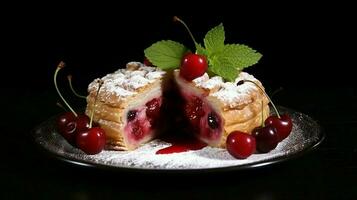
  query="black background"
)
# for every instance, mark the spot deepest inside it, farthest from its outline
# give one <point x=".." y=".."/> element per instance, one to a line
<point x="306" y="51"/>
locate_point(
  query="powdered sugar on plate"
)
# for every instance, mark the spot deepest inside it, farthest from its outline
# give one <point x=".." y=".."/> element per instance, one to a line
<point x="305" y="134"/>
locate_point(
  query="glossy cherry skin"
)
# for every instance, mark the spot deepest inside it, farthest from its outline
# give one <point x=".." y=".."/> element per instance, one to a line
<point x="69" y="125"/>
<point x="240" y="145"/>
<point x="193" y="66"/>
<point x="91" y="141"/>
<point x="283" y="125"/>
<point x="66" y="124"/>
<point x="82" y="122"/>
<point x="266" y="138"/>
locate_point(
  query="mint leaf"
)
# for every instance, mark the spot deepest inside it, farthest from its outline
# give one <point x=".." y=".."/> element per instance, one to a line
<point x="214" y="40"/>
<point x="165" y="54"/>
<point x="200" y="50"/>
<point x="241" y="56"/>
<point x="223" y="67"/>
<point x="233" y="59"/>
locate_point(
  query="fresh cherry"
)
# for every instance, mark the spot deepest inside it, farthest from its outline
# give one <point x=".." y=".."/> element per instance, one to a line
<point x="193" y="66"/>
<point x="66" y="124"/>
<point x="240" y="145"/>
<point x="91" y="141"/>
<point x="283" y="125"/>
<point x="266" y="138"/>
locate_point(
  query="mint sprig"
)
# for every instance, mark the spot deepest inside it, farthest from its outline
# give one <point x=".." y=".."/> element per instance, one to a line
<point x="225" y="60"/>
<point x="166" y="54"/>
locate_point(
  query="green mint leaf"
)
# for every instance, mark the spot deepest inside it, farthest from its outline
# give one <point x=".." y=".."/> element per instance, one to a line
<point x="165" y="54"/>
<point x="241" y="56"/>
<point x="233" y="59"/>
<point x="214" y="40"/>
<point x="200" y="50"/>
<point x="223" y="67"/>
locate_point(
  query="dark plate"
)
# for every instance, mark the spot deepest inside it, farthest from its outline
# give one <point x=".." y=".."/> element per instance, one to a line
<point x="305" y="136"/>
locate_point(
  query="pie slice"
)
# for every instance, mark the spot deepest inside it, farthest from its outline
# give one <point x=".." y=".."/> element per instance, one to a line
<point x="215" y="108"/>
<point x="128" y="106"/>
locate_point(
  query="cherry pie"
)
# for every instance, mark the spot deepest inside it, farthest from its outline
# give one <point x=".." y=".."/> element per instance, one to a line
<point x="129" y="105"/>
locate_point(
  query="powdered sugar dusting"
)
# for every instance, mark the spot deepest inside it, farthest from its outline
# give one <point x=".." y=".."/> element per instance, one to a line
<point x="228" y="92"/>
<point x="124" y="82"/>
<point x="306" y="133"/>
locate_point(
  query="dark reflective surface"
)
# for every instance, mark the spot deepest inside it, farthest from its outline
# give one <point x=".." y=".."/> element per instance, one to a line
<point x="303" y="53"/>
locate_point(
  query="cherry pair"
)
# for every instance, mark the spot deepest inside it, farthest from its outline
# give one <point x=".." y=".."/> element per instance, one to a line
<point x="263" y="138"/>
<point x="77" y="129"/>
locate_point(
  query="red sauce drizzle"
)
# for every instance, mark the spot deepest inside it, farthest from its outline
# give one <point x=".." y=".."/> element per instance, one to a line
<point x="178" y="146"/>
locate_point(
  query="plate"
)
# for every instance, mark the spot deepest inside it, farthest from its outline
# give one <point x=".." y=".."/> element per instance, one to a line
<point x="305" y="136"/>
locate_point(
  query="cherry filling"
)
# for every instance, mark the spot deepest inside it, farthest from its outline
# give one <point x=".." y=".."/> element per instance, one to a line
<point x="204" y="122"/>
<point x="141" y="121"/>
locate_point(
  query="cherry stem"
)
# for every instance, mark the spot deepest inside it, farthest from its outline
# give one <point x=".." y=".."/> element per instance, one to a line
<point x="100" y="82"/>
<point x="276" y="110"/>
<point x="61" y="106"/>
<point x="59" y="67"/>
<point x="277" y="91"/>
<point x="262" y="113"/>
<point x="184" y="24"/>
<point x="69" y="77"/>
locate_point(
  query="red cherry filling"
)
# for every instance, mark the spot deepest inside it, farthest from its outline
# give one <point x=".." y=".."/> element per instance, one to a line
<point x="153" y="110"/>
<point x="203" y="121"/>
<point x="194" y="112"/>
<point x="142" y="121"/>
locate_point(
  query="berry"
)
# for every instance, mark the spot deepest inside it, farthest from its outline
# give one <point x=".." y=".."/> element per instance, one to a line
<point x="131" y="115"/>
<point x="66" y="124"/>
<point x="153" y="109"/>
<point x="212" y="121"/>
<point x="266" y="138"/>
<point x="283" y="125"/>
<point x="194" y="111"/>
<point x="240" y="145"/>
<point x="91" y="141"/>
<point x="193" y="66"/>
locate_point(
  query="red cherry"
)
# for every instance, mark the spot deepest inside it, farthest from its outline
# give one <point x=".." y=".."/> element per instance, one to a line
<point x="69" y="125"/>
<point x="240" y="145"/>
<point x="147" y="62"/>
<point x="91" y="141"/>
<point x="193" y="66"/>
<point x="266" y="138"/>
<point x="283" y="125"/>
<point x="66" y="125"/>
